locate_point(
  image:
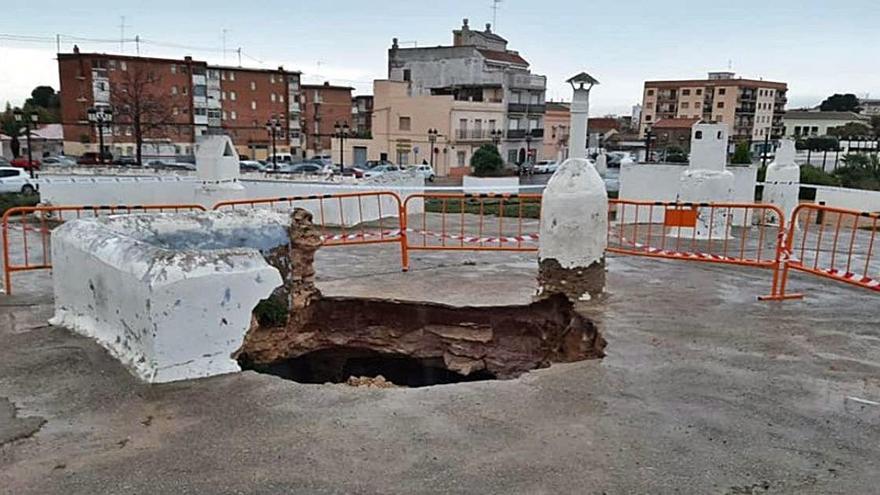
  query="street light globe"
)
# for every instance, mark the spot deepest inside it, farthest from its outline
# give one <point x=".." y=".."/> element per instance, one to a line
<point x="17" y="114"/>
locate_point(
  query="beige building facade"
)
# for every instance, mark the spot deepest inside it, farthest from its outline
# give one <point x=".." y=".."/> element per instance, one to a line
<point x="400" y="124"/>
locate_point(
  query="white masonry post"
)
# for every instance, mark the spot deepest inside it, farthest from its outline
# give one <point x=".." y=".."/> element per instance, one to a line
<point x="782" y="182"/>
<point x="580" y="112"/>
<point x="706" y="181"/>
<point x="574" y="217"/>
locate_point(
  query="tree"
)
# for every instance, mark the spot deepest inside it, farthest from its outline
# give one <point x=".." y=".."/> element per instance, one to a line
<point x="486" y="161"/>
<point x="674" y="154"/>
<point x="46" y="103"/>
<point x="742" y="155"/>
<point x="860" y="171"/>
<point x="818" y="143"/>
<point x="138" y="103"/>
<point x="875" y="125"/>
<point x="851" y="130"/>
<point x="840" y="103"/>
<point x="11" y="128"/>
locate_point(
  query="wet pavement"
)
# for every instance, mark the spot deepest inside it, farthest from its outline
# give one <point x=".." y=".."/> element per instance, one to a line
<point x="704" y="390"/>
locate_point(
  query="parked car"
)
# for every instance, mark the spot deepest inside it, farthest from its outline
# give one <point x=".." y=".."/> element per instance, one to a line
<point x="360" y="170"/>
<point x="303" y="168"/>
<point x="16" y="180"/>
<point x="546" y="167"/>
<point x="380" y="170"/>
<point x="325" y="159"/>
<point x="22" y="162"/>
<point x="163" y="165"/>
<point x="251" y="166"/>
<point x="59" y="161"/>
<point x="4" y="162"/>
<point x="126" y="161"/>
<point x="525" y="168"/>
<point x="425" y="171"/>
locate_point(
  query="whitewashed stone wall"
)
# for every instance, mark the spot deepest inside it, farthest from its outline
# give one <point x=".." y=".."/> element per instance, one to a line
<point x="170" y="296"/>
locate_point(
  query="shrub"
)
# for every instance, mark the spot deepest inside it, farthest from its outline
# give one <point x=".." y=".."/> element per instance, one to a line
<point x="487" y="162"/>
<point x="859" y="172"/>
<point x="11" y="200"/>
<point x="742" y="155"/>
<point x="674" y="154"/>
<point x="816" y="176"/>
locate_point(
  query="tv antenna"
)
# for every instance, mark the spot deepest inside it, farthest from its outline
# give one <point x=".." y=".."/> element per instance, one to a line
<point x="122" y="27"/>
<point x="495" y="7"/>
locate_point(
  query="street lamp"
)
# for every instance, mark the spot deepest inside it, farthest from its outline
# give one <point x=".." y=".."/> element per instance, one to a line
<point x="649" y="136"/>
<point x="341" y="131"/>
<point x="529" y="146"/>
<point x="273" y="127"/>
<point x="19" y="117"/>
<point x="496" y="135"/>
<point x="432" y="138"/>
<point x="100" y="117"/>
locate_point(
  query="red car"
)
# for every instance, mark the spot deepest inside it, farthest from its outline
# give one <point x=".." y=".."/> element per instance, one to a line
<point x="22" y="162"/>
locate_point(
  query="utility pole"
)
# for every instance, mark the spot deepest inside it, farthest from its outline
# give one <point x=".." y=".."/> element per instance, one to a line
<point x="122" y="34"/>
<point x="495" y="4"/>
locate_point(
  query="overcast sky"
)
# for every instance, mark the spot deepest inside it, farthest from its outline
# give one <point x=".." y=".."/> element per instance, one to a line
<point x="818" y="47"/>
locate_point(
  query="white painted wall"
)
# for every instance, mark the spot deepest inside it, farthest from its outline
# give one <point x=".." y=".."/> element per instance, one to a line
<point x="110" y="190"/>
<point x="783" y="178"/>
<point x="170" y="296"/>
<point x="853" y="199"/>
<point x="660" y="182"/>
<point x="708" y="147"/>
<point x="476" y="185"/>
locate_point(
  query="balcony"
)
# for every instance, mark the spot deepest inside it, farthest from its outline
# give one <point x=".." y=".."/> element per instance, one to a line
<point x="473" y="135"/>
<point x="526" y="108"/>
<point x="521" y="133"/>
<point x="526" y="81"/>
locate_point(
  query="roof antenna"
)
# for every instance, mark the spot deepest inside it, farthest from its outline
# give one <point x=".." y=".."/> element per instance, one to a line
<point x="495" y="4"/>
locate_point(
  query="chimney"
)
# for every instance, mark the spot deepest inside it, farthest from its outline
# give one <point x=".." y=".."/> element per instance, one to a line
<point x="488" y="27"/>
<point x="464" y="24"/>
<point x="394" y="45"/>
<point x="75" y="48"/>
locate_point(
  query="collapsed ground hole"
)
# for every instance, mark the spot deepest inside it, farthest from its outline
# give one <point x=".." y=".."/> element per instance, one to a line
<point x="417" y="344"/>
<point x="340" y="365"/>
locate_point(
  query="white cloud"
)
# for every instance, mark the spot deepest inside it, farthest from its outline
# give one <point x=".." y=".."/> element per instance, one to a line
<point x="24" y="69"/>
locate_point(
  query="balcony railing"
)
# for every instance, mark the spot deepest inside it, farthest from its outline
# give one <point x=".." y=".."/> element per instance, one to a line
<point x="521" y="133"/>
<point x="526" y="108"/>
<point x="473" y="134"/>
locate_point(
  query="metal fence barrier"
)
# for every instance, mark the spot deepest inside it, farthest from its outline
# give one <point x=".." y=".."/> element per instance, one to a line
<point x="35" y="224"/>
<point x="833" y="243"/>
<point x="743" y="234"/>
<point x="472" y="222"/>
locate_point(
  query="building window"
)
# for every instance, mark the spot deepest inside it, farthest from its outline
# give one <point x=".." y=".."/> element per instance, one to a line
<point x="462" y="125"/>
<point x="685" y="104"/>
<point x="533" y="124"/>
<point x="223" y="95"/>
<point x="514" y="97"/>
<point x="720" y="104"/>
<point x="232" y="76"/>
<point x="123" y="65"/>
<point x="722" y="91"/>
<point x="719" y="118"/>
<point x="281" y="98"/>
<point x="224" y="115"/>
<point x="232" y="95"/>
<point x="222" y="75"/>
<point x="685" y="92"/>
<point x="173" y="68"/>
<point x="648" y="118"/>
<point x="273" y="98"/>
<point x="513" y="124"/>
<point x="253" y="105"/>
<point x="533" y="98"/>
<point x="407" y="75"/>
<point x="185" y="90"/>
<point x="698" y="135"/>
<point x="272" y="78"/>
<point x="175" y="111"/>
<point x="650" y="92"/>
<point x="253" y="85"/>
<point x="699" y="92"/>
<point x="403" y="123"/>
<point x="173" y="90"/>
<point x="233" y="115"/>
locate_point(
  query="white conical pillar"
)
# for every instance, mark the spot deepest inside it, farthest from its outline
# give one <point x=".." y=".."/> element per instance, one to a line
<point x="707" y="181"/>
<point x="574" y="230"/>
<point x="602" y="163"/>
<point x="782" y="181"/>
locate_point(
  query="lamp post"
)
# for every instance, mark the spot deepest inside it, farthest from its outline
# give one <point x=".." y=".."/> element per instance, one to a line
<point x="19" y="117"/>
<point x="580" y="111"/>
<point x="529" y="147"/>
<point x="496" y="135"/>
<point x="100" y="117"/>
<point x="649" y="136"/>
<point x="341" y="131"/>
<point x="273" y="127"/>
<point x="432" y="138"/>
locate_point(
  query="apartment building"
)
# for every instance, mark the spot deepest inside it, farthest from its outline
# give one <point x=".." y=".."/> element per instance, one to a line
<point x="401" y="120"/>
<point x="324" y="106"/>
<point x="479" y="67"/>
<point x="362" y="115"/>
<point x="183" y="100"/>
<point x="752" y="109"/>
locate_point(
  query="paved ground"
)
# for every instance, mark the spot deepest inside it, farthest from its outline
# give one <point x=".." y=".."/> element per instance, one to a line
<point x="704" y="390"/>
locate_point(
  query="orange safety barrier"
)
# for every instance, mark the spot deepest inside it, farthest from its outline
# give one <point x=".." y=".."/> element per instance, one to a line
<point x="742" y="234"/>
<point x="834" y="243"/>
<point x="341" y="217"/>
<point x="472" y="222"/>
<point x="48" y="217"/>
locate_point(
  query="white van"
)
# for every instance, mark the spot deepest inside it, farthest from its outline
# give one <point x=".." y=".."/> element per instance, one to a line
<point x="281" y="158"/>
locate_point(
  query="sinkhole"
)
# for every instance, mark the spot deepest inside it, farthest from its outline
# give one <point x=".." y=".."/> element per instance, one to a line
<point x="412" y="344"/>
